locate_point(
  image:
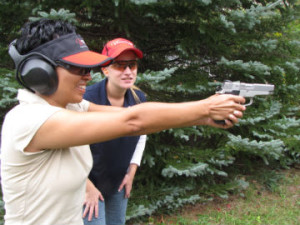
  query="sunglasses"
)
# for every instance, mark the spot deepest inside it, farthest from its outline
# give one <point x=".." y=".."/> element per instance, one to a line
<point x="74" y="69"/>
<point x="121" y="65"/>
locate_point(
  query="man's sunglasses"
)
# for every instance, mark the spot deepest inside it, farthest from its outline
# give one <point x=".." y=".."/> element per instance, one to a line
<point x="74" y="69"/>
<point x="121" y="65"/>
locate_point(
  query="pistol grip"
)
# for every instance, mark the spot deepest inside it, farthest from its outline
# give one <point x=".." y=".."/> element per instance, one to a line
<point x="221" y="122"/>
<point x="232" y="92"/>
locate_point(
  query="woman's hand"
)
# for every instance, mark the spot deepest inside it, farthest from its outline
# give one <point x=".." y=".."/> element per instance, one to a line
<point x="92" y="196"/>
<point x="127" y="183"/>
<point x="226" y="107"/>
<point x="128" y="180"/>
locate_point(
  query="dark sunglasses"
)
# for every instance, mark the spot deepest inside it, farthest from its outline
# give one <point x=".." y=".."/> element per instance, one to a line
<point x="74" y="69"/>
<point x="121" y="65"/>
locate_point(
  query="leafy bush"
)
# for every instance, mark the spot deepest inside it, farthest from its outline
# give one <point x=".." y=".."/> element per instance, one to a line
<point x="8" y="91"/>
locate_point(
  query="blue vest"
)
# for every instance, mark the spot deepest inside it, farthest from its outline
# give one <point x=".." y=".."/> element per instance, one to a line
<point x="111" y="159"/>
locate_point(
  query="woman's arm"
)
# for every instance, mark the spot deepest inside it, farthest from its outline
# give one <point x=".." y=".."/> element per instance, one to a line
<point x="68" y="128"/>
<point x="103" y="108"/>
<point x="139" y="150"/>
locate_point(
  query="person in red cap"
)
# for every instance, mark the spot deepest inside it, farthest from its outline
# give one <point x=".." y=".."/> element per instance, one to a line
<point x="45" y="154"/>
<point x="115" y="161"/>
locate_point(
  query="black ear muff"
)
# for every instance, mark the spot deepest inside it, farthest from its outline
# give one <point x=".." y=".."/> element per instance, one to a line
<point x="38" y="75"/>
<point x="34" y="71"/>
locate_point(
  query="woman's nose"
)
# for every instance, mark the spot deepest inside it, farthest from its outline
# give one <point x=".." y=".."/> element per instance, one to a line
<point x="87" y="76"/>
<point x="127" y="69"/>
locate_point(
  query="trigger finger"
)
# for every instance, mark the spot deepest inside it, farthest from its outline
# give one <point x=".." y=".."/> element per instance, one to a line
<point x="240" y="107"/>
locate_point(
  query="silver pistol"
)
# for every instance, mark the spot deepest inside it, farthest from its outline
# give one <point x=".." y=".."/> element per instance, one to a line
<point x="246" y="90"/>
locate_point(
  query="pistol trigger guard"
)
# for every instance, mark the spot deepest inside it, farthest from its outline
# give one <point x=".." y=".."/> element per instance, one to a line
<point x="250" y="103"/>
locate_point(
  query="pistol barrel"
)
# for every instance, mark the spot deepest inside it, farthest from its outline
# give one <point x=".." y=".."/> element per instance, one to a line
<point x="246" y="89"/>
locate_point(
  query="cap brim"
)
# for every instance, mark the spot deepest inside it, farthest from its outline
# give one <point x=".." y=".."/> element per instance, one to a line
<point x="138" y="52"/>
<point x="87" y="59"/>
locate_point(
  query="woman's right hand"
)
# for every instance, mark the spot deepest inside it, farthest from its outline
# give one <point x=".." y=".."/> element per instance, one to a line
<point x="92" y="196"/>
<point x="226" y="107"/>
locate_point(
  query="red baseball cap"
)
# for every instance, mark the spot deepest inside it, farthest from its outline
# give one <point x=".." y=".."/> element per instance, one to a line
<point x="116" y="46"/>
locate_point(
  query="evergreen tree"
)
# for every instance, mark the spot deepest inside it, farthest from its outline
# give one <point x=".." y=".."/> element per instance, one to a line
<point x="190" y="48"/>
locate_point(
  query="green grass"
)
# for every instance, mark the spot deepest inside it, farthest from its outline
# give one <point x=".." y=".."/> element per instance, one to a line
<point x="278" y="204"/>
<point x="268" y="201"/>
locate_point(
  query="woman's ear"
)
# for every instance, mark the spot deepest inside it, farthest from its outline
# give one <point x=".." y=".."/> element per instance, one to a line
<point x="104" y="71"/>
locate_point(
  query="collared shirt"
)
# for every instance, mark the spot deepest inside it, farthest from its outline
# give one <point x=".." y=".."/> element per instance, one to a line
<point x="45" y="187"/>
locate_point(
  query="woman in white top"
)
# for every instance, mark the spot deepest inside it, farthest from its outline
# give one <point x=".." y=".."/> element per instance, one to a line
<point x="45" y="156"/>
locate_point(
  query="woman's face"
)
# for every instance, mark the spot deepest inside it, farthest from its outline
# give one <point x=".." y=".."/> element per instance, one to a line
<point x="71" y="86"/>
<point x="122" y="73"/>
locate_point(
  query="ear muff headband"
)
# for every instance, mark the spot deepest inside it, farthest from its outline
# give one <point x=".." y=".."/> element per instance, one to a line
<point x="34" y="71"/>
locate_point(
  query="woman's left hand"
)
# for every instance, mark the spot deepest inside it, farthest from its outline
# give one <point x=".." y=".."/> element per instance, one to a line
<point x="127" y="183"/>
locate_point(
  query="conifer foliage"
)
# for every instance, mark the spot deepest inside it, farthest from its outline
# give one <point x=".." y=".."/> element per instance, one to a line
<point x="190" y="48"/>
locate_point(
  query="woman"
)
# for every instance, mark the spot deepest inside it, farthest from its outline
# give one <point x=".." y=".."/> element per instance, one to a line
<point x="45" y="157"/>
<point x="115" y="161"/>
